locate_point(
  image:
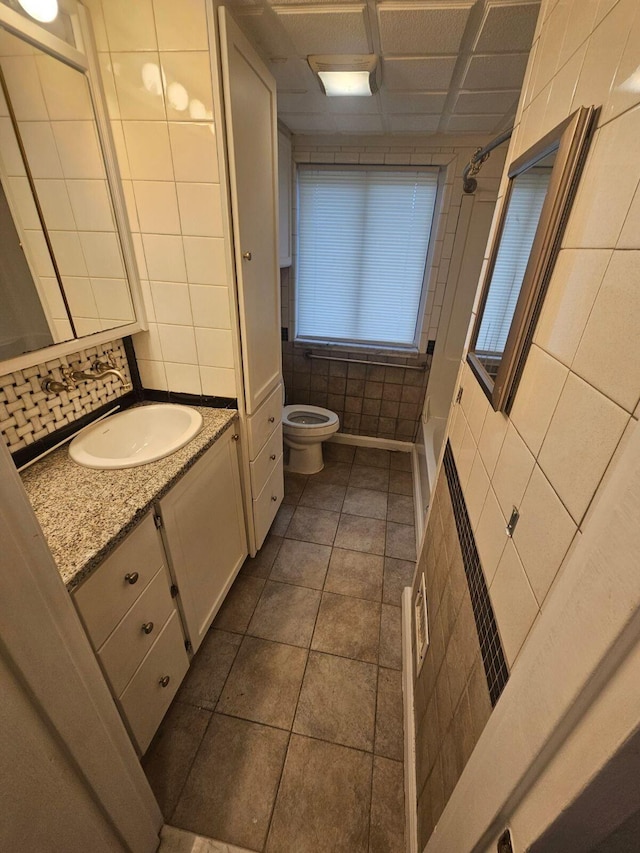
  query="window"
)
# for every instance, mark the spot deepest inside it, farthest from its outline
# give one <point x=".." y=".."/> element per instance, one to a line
<point x="363" y="240"/>
<point x="542" y="184"/>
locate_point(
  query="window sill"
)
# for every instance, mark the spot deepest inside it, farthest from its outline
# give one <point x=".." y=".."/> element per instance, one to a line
<point x="363" y="349"/>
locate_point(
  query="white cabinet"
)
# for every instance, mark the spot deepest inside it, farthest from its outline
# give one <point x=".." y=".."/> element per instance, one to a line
<point x="284" y="199"/>
<point x="252" y="148"/>
<point x="155" y="596"/>
<point x="204" y="534"/>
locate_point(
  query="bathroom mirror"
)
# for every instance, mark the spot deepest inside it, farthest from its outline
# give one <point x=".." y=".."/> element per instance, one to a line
<point x="67" y="268"/>
<point x="542" y="183"/>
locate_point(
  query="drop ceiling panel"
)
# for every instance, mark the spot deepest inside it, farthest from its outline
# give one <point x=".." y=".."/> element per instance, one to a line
<point x="264" y="32"/>
<point x="316" y="102"/>
<point x="421" y="29"/>
<point x="303" y="123"/>
<point x="293" y="75"/>
<point x="478" y="103"/>
<point x="414" y="124"/>
<point x="507" y="27"/>
<point x="495" y="72"/>
<point x="325" y="29"/>
<point x="399" y="102"/>
<point x="477" y="123"/>
<point x="418" y="75"/>
<point x="359" y="124"/>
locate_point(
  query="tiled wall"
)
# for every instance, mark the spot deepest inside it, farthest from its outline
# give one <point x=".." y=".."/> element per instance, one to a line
<point x="28" y="414"/>
<point x="156" y="70"/>
<point x="452" y="702"/>
<point x="580" y="391"/>
<point x="364" y="408"/>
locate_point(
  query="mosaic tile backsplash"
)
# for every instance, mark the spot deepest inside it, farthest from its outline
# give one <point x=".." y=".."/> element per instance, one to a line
<point x="28" y="414"/>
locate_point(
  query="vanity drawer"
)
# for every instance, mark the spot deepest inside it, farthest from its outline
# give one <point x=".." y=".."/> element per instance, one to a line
<point x="261" y="425"/>
<point x="109" y="592"/>
<point x="266" y="462"/>
<point x="266" y="505"/>
<point x="124" y="650"/>
<point x="145" y="700"/>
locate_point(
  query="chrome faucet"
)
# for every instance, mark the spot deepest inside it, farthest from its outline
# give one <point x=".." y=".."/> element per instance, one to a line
<point x="70" y="377"/>
<point x="99" y="370"/>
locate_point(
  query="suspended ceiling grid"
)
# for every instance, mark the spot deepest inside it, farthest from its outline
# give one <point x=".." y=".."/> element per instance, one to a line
<point x="446" y="67"/>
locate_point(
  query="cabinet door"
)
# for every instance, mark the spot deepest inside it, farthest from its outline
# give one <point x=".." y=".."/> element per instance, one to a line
<point x="284" y="199"/>
<point x="204" y="534"/>
<point x="251" y="121"/>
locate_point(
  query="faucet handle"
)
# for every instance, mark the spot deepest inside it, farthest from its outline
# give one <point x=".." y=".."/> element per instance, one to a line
<point x="67" y="377"/>
<point x="108" y="363"/>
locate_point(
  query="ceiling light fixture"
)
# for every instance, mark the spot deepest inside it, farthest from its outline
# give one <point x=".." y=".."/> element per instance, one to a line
<point x="346" y="75"/>
<point x="44" y="11"/>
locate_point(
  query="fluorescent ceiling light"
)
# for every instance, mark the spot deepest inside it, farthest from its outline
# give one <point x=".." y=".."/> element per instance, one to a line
<point x="42" y="10"/>
<point x="346" y="75"/>
<point x="345" y="83"/>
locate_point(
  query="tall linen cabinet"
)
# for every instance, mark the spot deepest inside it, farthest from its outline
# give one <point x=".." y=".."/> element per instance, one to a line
<point x="247" y="126"/>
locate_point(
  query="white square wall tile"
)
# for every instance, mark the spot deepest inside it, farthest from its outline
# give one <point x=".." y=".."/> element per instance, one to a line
<point x="147" y="344"/>
<point x="181" y="27"/>
<point x="178" y="344"/>
<point x="25" y="90"/>
<point x="543" y="533"/>
<point x="171" y="303"/>
<point x="79" y="295"/>
<point x="152" y="374"/>
<point x="200" y="210"/>
<point x="215" y="347"/>
<point x="218" y="381"/>
<point x="157" y="207"/>
<point x="130" y="26"/>
<point x="19" y="191"/>
<point x="206" y="260"/>
<point x="113" y="299"/>
<point x="55" y="204"/>
<point x="537" y="396"/>
<point x="513" y="470"/>
<point x="130" y="203"/>
<point x="464" y="456"/>
<point x="41" y="150"/>
<point x="148" y="150"/>
<point x="65" y="89"/>
<point x="476" y="490"/>
<point x="194" y="149"/>
<point x="91" y="205"/>
<point x="581" y="439"/>
<point x="576" y="278"/>
<point x="607" y="356"/>
<point x="11" y="156"/>
<point x="188" y="89"/>
<point x="514" y="603"/>
<point x="491" y="439"/>
<point x="102" y="254"/>
<point x="164" y="257"/>
<point x="138" y="82"/>
<point x="79" y="149"/>
<point x="490" y="535"/>
<point x="184" y="378"/>
<point x="68" y="252"/>
<point x="38" y="254"/>
<point x="210" y="306"/>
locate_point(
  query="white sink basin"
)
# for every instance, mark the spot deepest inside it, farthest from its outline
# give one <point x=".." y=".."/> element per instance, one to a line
<point x="136" y="436"/>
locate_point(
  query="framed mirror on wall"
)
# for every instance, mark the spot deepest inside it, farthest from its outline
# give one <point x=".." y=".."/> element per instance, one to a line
<point x="67" y="266"/>
<point x="542" y="184"/>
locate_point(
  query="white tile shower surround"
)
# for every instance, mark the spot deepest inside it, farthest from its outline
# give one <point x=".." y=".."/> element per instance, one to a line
<point x="287" y="733"/>
<point x="580" y="390"/>
<point x="28" y="414"/>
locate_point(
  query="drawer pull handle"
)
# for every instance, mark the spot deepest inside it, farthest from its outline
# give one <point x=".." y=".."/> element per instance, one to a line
<point x="272" y="419"/>
<point x="273" y="457"/>
<point x="147" y="627"/>
<point x="164" y="681"/>
<point x="246" y="256"/>
<point x="131" y="577"/>
<point x="235" y="436"/>
<point x="274" y="497"/>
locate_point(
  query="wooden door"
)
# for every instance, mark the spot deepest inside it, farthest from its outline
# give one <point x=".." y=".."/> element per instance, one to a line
<point x="204" y="534"/>
<point x="251" y="126"/>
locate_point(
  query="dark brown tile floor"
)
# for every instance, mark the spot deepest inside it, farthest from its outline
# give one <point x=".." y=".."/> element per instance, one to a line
<point x="286" y="734"/>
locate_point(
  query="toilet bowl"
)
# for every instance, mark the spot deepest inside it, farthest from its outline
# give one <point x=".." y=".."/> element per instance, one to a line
<point x="304" y="428"/>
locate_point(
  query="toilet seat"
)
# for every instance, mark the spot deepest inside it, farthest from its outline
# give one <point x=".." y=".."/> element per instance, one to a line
<point x="307" y="418"/>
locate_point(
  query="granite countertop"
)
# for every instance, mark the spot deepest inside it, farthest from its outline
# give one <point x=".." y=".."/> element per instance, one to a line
<point x="84" y="513"/>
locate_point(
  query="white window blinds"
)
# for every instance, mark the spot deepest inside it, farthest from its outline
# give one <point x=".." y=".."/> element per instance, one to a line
<point x="363" y="237"/>
<point x="525" y="205"/>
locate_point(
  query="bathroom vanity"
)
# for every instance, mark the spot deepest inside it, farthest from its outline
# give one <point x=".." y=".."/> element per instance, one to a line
<point x="148" y="555"/>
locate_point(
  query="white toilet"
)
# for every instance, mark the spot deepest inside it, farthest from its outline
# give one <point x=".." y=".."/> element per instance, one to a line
<point x="304" y="428"/>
